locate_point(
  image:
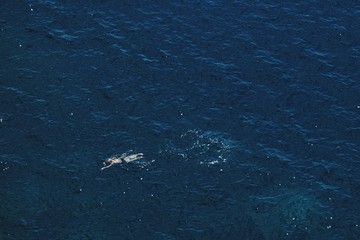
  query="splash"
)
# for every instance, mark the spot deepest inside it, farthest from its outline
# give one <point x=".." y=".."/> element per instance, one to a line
<point x="207" y="147"/>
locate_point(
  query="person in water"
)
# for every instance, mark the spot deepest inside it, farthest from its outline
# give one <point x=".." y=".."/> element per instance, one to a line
<point x="122" y="159"/>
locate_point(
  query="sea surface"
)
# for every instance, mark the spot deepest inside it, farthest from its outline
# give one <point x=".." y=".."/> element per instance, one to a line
<point x="247" y="114"/>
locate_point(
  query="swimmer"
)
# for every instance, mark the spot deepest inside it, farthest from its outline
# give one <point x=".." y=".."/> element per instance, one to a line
<point x="123" y="158"/>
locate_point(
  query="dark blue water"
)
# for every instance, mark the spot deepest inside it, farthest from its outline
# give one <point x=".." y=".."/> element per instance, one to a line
<point x="247" y="113"/>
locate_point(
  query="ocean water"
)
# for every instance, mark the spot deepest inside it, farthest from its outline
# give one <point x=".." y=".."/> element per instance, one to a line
<point x="247" y="113"/>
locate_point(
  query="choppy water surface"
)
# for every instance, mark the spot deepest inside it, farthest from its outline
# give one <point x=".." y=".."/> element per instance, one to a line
<point x="247" y="113"/>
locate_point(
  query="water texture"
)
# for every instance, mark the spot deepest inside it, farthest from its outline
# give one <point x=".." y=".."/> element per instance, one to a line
<point x="247" y="113"/>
